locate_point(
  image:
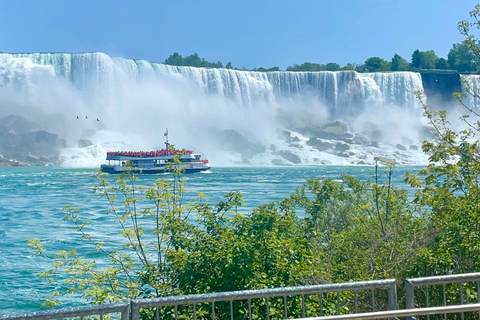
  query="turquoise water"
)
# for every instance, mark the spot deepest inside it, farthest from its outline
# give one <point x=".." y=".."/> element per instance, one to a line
<point x="32" y="198"/>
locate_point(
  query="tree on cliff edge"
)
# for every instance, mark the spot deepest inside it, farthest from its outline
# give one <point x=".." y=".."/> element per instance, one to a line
<point x="461" y="58"/>
<point x="399" y="63"/>
<point x="424" y="59"/>
<point x="375" y="64"/>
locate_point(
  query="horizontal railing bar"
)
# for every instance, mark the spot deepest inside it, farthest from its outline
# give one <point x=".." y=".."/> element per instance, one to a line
<point x="401" y="313"/>
<point x="70" y="312"/>
<point x="261" y="293"/>
<point x="451" y="278"/>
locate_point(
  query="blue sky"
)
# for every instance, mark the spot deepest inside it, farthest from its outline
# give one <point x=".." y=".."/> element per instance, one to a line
<point x="248" y="33"/>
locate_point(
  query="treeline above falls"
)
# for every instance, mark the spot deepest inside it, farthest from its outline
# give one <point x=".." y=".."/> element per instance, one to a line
<point x="232" y="116"/>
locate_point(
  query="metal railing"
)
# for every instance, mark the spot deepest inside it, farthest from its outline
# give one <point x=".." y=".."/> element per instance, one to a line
<point x="80" y="312"/>
<point x="267" y="294"/>
<point x="411" y="284"/>
<point x="409" y="313"/>
<point x="289" y="302"/>
<point x="133" y="309"/>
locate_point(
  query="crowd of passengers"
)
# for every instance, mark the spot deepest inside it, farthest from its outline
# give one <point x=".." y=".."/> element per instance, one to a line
<point x="145" y="154"/>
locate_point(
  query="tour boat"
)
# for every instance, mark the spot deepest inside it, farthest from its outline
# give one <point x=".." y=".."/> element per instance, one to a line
<point x="159" y="161"/>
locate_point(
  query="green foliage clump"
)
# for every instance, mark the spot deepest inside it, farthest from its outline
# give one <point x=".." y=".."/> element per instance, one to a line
<point x="399" y="64"/>
<point x="448" y="196"/>
<point x="192" y="61"/>
<point x="266" y="70"/>
<point x="309" y="66"/>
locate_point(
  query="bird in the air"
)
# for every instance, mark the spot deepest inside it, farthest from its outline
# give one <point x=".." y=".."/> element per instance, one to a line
<point x="86" y="117"/>
<point x="78" y="117"/>
<point x="97" y="119"/>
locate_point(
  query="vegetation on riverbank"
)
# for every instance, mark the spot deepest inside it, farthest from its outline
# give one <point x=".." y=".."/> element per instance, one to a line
<point x="460" y="59"/>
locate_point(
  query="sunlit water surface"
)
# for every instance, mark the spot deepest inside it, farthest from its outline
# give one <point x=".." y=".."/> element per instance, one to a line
<point x="32" y="199"/>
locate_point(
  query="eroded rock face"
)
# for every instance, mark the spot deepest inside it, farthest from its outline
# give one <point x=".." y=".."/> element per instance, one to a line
<point x="330" y="130"/>
<point x="231" y="140"/>
<point x="22" y="143"/>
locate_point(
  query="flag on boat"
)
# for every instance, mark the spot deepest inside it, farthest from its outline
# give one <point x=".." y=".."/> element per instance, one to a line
<point x="166" y="133"/>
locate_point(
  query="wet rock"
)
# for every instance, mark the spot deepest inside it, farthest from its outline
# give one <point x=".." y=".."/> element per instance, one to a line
<point x="331" y="130"/>
<point x="413" y="147"/>
<point x="400" y="147"/>
<point x="287" y="155"/>
<point x="319" y="144"/>
<point x="83" y="143"/>
<point x="343" y="155"/>
<point x="358" y="139"/>
<point x="287" y="136"/>
<point x="277" y="162"/>
<point x="231" y="140"/>
<point x="342" y="147"/>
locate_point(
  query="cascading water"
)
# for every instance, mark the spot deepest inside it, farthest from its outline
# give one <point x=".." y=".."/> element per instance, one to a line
<point x="472" y="83"/>
<point x="231" y="116"/>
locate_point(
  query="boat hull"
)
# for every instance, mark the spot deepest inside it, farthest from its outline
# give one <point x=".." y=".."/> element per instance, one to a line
<point x="120" y="169"/>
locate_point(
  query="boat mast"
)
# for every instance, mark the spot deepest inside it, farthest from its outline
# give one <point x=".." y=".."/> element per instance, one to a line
<point x="167" y="145"/>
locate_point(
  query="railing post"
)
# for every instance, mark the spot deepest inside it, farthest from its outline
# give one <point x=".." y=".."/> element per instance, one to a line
<point x="409" y="297"/>
<point x="134" y="310"/>
<point x="392" y="297"/>
<point x="126" y="312"/>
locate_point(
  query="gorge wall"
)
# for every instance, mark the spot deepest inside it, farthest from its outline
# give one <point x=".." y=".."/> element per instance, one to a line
<point x="96" y="103"/>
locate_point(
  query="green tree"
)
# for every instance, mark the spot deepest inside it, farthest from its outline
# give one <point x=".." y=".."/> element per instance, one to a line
<point x="448" y="194"/>
<point x="375" y="64"/>
<point x="442" y="64"/>
<point x="424" y="59"/>
<point x="399" y="63"/>
<point x="331" y="66"/>
<point x="193" y="61"/>
<point x="363" y="229"/>
<point x="307" y="66"/>
<point x="266" y="70"/>
<point x="348" y="66"/>
<point x="175" y="60"/>
<point x="461" y="58"/>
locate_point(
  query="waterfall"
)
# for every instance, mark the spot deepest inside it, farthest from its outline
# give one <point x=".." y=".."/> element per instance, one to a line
<point x="135" y="100"/>
<point x="471" y="86"/>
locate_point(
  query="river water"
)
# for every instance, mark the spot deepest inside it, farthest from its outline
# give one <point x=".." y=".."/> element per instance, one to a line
<point x="32" y="199"/>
